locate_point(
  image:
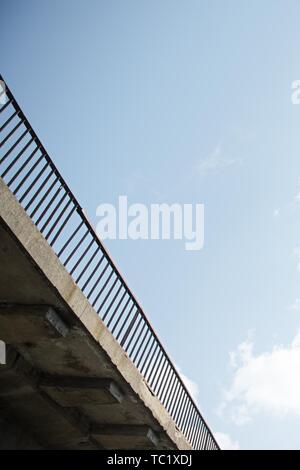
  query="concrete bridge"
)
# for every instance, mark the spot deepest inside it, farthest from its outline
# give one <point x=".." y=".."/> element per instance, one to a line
<point x="84" y="368"/>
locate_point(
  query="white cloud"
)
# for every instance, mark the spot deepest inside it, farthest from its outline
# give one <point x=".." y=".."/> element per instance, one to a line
<point x="268" y="382"/>
<point x="225" y="442"/>
<point x="295" y="202"/>
<point x="295" y="306"/>
<point x="214" y="161"/>
<point x="276" y="213"/>
<point x="297" y="254"/>
<point x="192" y="386"/>
<point x="297" y="198"/>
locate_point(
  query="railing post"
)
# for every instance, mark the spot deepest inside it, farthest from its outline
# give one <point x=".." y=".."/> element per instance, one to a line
<point x="206" y="439"/>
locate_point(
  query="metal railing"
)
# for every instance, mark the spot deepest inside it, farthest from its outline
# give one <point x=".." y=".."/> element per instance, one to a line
<point x="29" y="172"/>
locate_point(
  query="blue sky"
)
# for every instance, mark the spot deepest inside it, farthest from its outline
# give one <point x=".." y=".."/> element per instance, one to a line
<point x="189" y="102"/>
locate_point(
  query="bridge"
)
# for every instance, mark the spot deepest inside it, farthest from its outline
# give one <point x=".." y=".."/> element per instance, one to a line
<point x="84" y="367"/>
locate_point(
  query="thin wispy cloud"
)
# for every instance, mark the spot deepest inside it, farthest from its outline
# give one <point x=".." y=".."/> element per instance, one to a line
<point x="292" y="204"/>
<point x="263" y="383"/>
<point x="297" y="256"/>
<point x="216" y="160"/>
<point x="297" y="199"/>
<point x="295" y="306"/>
<point x="225" y="441"/>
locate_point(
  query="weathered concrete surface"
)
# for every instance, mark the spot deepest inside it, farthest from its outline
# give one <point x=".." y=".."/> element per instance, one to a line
<point x="13" y="436"/>
<point x="67" y="381"/>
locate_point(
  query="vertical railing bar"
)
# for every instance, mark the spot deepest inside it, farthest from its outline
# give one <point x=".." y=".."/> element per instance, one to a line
<point x="19" y="155"/>
<point x="155" y="369"/>
<point x="206" y="441"/>
<point x="96" y="283"/>
<point x="87" y="264"/>
<point x="164" y="380"/>
<point x="198" y="435"/>
<point x="122" y="313"/>
<point x="103" y="287"/>
<point x="32" y="199"/>
<point x="163" y="369"/>
<point x="140" y="345"/>
<point x="92" y="274"/>
<point x="203" y="438"/>
<point x="19" y="171"/>
<point x="27" y="175"/>
<point x="108" y="293"/>
<point x="127" y="332"/>
<point x="13" y="146"/>
<point x="175" y="397"/>
<point x="186" y="416"/>
<point x="70" y="238"/>
<point x="76" y="248"/>
<point x="58" y="205"/>
<point x="112" y="302"/>
<point x="190" y="428"/>
<point x="177" y="404"/>
<point x="116" y="309"/>
<point x="189" y="423"/>
<point x="182" y="410"/>
<point x="44" y="212"/>
<point x="170" y="389"/>
<point x="47" y="192"/>
<point x="167" y="385"/>
<point x="171" y="397"/>
<point x="58" y="218"/>
<point x="10" y="134"/>
<point x="144" y="350"/>
<point x="8" y="121"/>
<point x="138" y="336"/>
<point x="195" y="425"/>
<point x="81" y="257"/>
<point x="147" y="356"/>
<point x="33" y="182"/>
<point x="150" y="361"/>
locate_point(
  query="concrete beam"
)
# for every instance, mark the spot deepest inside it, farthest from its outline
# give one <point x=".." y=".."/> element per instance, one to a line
<point x="30" y="323"/>
<point x="78" y="391"/>
<point x="121" y="433"/>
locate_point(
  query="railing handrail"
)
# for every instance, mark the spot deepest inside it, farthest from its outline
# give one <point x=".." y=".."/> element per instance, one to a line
<point x="139" y="310"/>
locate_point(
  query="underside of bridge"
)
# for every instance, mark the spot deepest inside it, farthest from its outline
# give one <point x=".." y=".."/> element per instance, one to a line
<point x="66" y="383"/>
